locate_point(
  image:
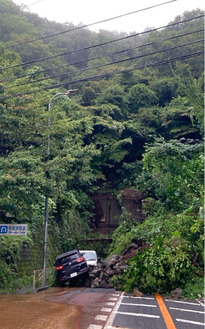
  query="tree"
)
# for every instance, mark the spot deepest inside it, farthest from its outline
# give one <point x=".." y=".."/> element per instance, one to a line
<point x="88" y="96"/>
<point x="176" y="168"/>
<point x="165" y="89"/>
<point x="192" y="89"/>
<point x="115" y="95"/>
<point x="140" y="96"/>
<point x="178" y="120"/>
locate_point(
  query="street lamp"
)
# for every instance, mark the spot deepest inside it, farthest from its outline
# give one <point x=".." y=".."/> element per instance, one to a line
<point x="46" y="195"/>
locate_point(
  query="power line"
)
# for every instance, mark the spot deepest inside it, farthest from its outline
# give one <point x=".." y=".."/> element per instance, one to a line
<point x="91" y="24"/>
<point x="33" y="3"/>
<point x="104" y="75"/>
<point x="108" y="64"/>
<point x="105" y="55"/>
<point x="97" y="45"/>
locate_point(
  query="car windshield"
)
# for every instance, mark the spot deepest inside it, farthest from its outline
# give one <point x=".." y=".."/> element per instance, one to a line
<point x="89" y="255"/>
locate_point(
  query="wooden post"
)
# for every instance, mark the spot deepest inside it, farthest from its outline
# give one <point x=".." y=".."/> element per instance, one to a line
<point x="34" y="279"/>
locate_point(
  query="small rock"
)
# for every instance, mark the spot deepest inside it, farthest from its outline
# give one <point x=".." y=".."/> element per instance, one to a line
<point x="103" y="284"/>
<point x="111" y="261"/>
<point x="103" y="276"/>
<point x="95" y="283"/>
<point x="176" y="293"/>
<point x="137" y="293"/>
<point x="119" y="270"/>
<point x="96" y="272"/>
<point x="110" y="272"/>
<point x="92" y="276"/>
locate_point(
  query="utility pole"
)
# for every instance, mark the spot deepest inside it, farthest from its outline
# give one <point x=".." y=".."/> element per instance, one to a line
<point x="46" y="192"/>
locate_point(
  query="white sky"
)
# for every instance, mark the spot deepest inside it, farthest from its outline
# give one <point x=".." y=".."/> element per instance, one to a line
<point x="90" y="11"/>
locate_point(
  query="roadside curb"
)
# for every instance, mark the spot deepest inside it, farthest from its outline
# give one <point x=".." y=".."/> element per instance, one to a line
<point x="40" y="289"/>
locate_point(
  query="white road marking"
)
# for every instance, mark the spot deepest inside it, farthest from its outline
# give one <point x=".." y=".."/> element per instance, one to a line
<point x="117" y="306"/>
<point x="139" y="314"/>
<point x="94" y="326"/>
<point x="185" y="310"/>
<point x="202" y="304"/>
<point x="191" y="322"/>
<point x="180" y="302"/>
<point x="101" y="317"/>
<point x="150" y="298"/>
<point x="105" y="309"/>
<point x="112" y="315"/>
<point x="131" y="304"/>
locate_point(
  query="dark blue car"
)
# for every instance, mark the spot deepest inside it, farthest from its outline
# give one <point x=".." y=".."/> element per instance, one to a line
<point x="70" y="266"/>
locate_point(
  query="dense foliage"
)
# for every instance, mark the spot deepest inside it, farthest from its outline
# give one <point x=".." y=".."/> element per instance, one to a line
<point x="173" y="229"/>
<point x="138" y="125"/>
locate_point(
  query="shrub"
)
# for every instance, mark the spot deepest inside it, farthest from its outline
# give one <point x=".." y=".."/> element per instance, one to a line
<point x="6" y="275"/>
<point x="174" y="258"/>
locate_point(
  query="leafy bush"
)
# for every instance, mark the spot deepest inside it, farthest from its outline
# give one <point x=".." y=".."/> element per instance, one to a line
<point x="6" y="276"/>
<point x="122" y="236"/>
<point x="194" y="288"/>
<point x="10" y="248"/>
<point x="174" y="256"/>
<point x="160" y="268"/>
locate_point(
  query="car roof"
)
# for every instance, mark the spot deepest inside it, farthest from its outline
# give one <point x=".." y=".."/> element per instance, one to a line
<point x="88" y="251"/>
<point x="68" y="253"/>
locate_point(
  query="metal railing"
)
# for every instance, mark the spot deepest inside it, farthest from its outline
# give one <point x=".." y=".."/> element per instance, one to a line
<point x="38" y="277"/>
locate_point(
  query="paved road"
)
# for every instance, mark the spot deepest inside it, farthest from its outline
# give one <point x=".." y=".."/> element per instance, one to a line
<point x="86" y="308"/>
<point x="187" y="314"/>
<point x="108" y="309"/>
<point x="155" y="312"/>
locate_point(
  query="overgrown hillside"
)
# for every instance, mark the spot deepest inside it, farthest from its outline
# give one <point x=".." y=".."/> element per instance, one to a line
<point x="134" y="122"/>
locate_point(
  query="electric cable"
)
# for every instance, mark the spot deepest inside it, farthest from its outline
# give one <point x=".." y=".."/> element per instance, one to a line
<point x="104" y="75"/>
<point x="33" y="3"/>
<point x="105" y="64"/>
<point x="102" y="56"/>
<point x="97" y="45"/>
<point x="92" y="24"/>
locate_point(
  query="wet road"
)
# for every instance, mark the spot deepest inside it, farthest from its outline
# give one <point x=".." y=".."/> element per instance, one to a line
<point x="87" y="308"/>
<point x="57" y="308"/>
<point x="36" y="311"/>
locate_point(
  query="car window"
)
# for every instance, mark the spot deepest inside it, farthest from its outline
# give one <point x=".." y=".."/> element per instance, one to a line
<point x="89" y="255"/>
<point x="66" y="259"/>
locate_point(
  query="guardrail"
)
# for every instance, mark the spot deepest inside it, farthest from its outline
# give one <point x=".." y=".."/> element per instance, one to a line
<point x="38" y="277"/>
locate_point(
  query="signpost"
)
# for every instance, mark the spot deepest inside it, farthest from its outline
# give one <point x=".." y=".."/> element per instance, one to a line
<point x="13" y="229"/>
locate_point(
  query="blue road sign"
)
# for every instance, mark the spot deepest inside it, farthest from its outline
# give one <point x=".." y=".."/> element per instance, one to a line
<point x="3" y="229"/>
<point x="13" y="229"/>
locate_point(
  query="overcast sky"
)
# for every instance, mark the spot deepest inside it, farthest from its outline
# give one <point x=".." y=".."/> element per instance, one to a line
<point x="90" y="11"/>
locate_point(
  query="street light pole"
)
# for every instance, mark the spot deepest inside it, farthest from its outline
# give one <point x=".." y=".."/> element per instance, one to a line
<point x="46" y="194"/>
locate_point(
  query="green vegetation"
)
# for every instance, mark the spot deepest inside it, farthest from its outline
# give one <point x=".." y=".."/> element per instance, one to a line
<point x="140" y="129"/>
<point x="173" y="229"/>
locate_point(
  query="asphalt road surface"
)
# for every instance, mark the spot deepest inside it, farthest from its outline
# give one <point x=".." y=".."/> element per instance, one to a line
<point x="86" y="308"/>
<point x="155" y="312"/>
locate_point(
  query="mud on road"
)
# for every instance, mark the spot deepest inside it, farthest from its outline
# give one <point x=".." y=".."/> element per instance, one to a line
<point x="55" y="308"/>
<point x="36" y="311"/>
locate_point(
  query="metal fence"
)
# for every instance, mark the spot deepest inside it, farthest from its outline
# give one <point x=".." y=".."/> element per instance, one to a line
<point x="38" y="277"/>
